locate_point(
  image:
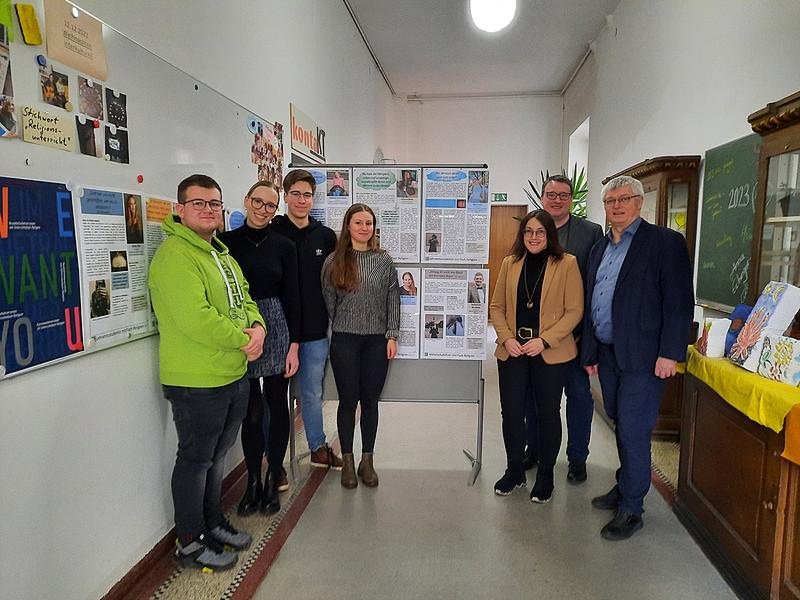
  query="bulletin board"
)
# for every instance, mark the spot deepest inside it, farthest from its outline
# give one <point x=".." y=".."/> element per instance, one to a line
<point x="139" y="132"/>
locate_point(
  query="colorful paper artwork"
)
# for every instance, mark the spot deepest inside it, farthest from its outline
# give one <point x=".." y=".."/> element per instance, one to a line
<point x="712" y="341"/>
<point x="738" y="318"/>
<point x="772" y="314"/>
<point x="780" y="360"/>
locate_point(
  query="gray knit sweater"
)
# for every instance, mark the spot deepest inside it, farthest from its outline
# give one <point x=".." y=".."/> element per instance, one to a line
<point x="374" y="307"/>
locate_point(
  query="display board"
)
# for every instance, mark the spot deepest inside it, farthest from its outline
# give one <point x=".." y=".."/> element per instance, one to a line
<point x="84" y="198"/>
<point x="730" y="183"/>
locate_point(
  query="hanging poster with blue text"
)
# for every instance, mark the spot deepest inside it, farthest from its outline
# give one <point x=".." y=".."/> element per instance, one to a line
<point x="40" y="315"/>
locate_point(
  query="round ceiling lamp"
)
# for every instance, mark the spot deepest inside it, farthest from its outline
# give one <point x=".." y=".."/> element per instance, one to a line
<point x="492" y="15"/>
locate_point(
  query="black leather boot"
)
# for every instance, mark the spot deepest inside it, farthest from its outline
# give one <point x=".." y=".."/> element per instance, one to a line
<point x="252" y="496"/>
<point x="270" y="500"/>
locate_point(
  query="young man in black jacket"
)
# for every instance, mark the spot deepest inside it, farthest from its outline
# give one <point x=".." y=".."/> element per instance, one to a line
<point x="313" y="242"/>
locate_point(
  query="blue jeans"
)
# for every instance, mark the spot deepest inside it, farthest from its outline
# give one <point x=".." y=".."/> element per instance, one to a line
<point x="580" y="408"/>
<point x="310" y="377"/>
<point x="631" y="400"/>
<point x="207" y="421"/>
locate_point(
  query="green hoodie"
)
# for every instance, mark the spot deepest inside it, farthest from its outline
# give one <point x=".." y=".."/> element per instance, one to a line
<point x="202" y="303"/>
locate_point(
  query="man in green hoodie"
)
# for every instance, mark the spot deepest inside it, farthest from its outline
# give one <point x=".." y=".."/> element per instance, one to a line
<point x="210" y="328"/>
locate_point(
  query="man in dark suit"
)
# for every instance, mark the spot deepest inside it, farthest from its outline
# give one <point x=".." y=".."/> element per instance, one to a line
<point x="639" y="306"/>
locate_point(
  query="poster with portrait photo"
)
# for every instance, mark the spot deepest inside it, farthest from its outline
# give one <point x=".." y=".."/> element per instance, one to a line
<point x="397" y="214"/>
<point x="455" y="209"/>
<point x="459" y="330"/>
<point x="117" y="144"/>
<point x="328" y="210"/>
<point x="90" y="141"/>
<point x="117" y="107"/>
<point x="90" y="98"/>
<point x="105" y="254"/>
<point x="408" y="339"/>
<point x="54" y="86"/>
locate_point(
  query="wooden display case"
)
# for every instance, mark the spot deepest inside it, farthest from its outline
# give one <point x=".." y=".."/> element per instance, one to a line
<point x="670" y="193"/>
<point x="776" y="239"/>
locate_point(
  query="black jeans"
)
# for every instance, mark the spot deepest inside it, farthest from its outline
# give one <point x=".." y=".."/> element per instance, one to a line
<point x="547" y="383"/>
<point x="275" y="397"/>
<point x="359" y="366"/>
<point x="207" y="421"/>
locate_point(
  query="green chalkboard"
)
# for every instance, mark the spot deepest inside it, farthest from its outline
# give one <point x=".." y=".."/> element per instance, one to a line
<point x="730" y="183"/>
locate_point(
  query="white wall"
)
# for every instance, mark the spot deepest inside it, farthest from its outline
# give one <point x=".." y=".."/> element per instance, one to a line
<point x="87" y="446"/>
<point x="680" y="78"/>
<point x="517" y="137"/>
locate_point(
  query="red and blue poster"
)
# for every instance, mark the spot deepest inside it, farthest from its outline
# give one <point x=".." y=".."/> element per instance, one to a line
<point x="40" y="315"/>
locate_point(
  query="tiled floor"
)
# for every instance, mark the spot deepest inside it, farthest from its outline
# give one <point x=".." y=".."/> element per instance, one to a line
<point x="423" y="533"/>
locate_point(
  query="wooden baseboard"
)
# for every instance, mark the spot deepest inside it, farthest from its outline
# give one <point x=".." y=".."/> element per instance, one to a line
<point x="145" y="576"/>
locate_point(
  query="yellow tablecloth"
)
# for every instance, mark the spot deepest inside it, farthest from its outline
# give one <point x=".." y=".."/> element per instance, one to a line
<point x="764" y="401"/>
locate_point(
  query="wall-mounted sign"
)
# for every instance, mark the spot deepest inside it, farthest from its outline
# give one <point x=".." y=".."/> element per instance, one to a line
<point x="501" y="197"/>
<point x="307" y="137"/>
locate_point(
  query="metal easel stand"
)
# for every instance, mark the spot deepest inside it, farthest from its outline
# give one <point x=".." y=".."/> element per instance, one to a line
<point x="476" y="460"/>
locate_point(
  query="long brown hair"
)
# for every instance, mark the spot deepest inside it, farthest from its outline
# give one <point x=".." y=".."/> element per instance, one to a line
<point x="553" y="248"/>
<point x="343" y="273"/>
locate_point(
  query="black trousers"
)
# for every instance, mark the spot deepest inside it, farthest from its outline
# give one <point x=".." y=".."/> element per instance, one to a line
<point x="547" y="382"/>
<point x="274" y="397"/>
<point x="359" y="366"/>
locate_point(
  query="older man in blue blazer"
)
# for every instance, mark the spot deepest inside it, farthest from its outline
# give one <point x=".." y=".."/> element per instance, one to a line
<point x="640" y="302"/>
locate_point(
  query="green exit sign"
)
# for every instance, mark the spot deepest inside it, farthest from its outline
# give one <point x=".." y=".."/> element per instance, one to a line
<point x="502" y="197"/>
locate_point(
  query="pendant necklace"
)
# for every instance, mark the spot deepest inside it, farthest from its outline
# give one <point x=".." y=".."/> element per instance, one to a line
<point x="530" y="293"/>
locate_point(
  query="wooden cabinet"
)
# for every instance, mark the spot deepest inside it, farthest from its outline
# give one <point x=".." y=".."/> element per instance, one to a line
<point x="738" y="496"/>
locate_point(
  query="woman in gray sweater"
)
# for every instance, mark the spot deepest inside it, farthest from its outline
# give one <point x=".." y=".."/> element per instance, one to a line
<point x="359" y="284"/>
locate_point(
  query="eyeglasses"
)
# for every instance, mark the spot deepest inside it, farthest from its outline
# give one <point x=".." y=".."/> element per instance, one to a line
<point x="212" y="205"/>
<point x="622" y="200"/>
<point x="258" y="204"/>
<point x="560" y="195"/>
<point x="535" y="233"/>
<point x="297" y="195"/>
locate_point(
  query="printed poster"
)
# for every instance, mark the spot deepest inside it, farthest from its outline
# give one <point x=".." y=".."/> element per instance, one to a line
<point x="454" y="313"/>
<point x="408" y="340"/>
<point x="75" y="41"/>
<point x="455" y="216"/>
<point x="8" y="116"/>
<point x="394" y="196"/>
<point x="40" y="313"/>
<point x="332" y="195"/>
<point x="112" y="248"/>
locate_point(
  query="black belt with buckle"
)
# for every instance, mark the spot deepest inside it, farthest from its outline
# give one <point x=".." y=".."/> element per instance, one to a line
<point x="527" y="333"/>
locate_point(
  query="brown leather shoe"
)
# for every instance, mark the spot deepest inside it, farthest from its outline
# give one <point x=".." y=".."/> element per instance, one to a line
<point x="349" y="479"/>
<point x="324" y="457"/>
<point x="366" y="470"/>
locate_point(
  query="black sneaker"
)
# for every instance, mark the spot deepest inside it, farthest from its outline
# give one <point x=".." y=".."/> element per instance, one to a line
<point x="508" y="482"/>
<point x="576" y="474"/>
<point x="609" y="501"/>
<point x="205" y="553"/>
<point x="621" y="527"/>
<point x="228" y="535"/>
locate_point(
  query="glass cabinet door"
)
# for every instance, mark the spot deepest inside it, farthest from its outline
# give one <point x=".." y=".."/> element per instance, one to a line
<point x="677" y="206"/>
<point x="779" y="244"/>
<point x="650" y="206"/>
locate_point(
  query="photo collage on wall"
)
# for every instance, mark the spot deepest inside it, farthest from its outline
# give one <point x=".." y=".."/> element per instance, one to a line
<point x="97" y="104"/>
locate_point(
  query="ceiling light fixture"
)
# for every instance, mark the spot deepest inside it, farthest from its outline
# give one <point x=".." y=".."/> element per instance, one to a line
<point x="492" y="15"/>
